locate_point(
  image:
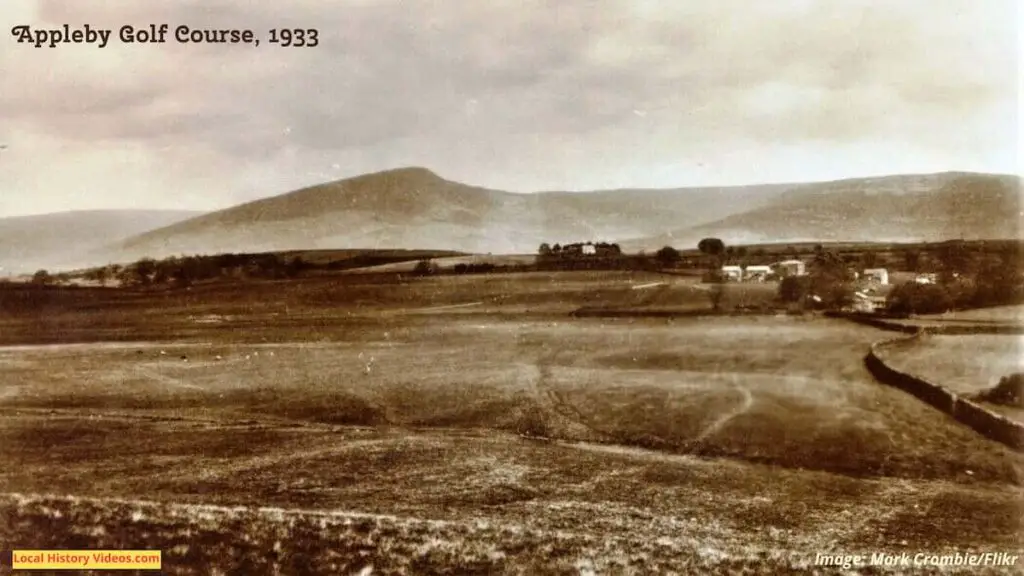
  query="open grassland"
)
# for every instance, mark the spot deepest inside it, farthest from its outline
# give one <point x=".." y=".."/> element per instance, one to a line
<point x="980" y="319"/>
<point x="323" y="306"/>
<point x="786" y="391"/>
<point x="315" y="306"/>
<point x="997" y="314"/>
<point x="449" y="262"/>
<point x="388" y="431"/>
<point x="503" y="506"/>
<point x="963" y="364"/>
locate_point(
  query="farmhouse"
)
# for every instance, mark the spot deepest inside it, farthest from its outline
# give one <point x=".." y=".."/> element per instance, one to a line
<point x="588" y="249"/>
<point x="790" y="268"/>
<point x="926" y="278"/>
<point x="877" y="275"/>
<point x="864" y="302"/>
<point x="732" y="273"/>
<point x="757" y="273"/>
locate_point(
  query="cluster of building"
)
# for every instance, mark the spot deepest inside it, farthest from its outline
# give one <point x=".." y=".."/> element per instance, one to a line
<point x="779" y="270"/>
<point x="761" y="273"/>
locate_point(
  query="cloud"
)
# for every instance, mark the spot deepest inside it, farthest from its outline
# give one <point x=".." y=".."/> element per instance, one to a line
<point x="521" y="95"/>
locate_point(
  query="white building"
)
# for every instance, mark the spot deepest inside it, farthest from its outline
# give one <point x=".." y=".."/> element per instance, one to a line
<point x="791" y="268"/>
<point x="865" y="302"/>
<point x="732" y="273"/>
<point x="877" y="275"/>
<point x="757" y="273"/>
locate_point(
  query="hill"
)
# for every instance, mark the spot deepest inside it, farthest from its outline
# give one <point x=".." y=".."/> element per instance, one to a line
<point x="416" y="208"/>
<point x="66" y="239"/>
<point x="906" y="208"/>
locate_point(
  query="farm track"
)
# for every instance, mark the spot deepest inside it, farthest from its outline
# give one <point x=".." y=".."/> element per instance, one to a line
<point x="722" y="421"/>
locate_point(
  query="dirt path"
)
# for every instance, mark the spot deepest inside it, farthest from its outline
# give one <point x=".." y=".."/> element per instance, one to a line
<point x="650" y="285"/>
<point x="168" y="381"/>
<point x="259" y="462"/>
<point x="724" y="419"/>
<point x="448" y="307"/>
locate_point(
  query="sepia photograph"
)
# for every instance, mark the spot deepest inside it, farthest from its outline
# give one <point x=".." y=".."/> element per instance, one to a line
<point x="511" y="287"/>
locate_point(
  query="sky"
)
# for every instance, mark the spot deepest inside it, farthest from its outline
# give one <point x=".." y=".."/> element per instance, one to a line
<point x="518" y="95"/>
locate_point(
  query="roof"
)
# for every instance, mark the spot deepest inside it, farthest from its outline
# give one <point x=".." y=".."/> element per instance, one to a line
<point x="874" y="270"/>
<point x="759" y="268"/>
<point x="790" y="262"/>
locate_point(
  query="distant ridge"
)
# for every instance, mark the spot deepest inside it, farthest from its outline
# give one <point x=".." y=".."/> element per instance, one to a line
<point x="904" y="208"/>
<point x="68" y="239"/>
<point x="415" y="208"/>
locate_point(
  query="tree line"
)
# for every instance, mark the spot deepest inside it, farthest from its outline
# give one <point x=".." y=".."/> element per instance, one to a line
<point x="183" y="271"/>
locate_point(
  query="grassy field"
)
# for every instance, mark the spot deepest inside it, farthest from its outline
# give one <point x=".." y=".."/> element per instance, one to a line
<point x="449" y="262"/>
<point x="1007" y="314"/>
<point x="964" y="364"/>
<point x="400" y="433"/>
<point x="320" y="307"/>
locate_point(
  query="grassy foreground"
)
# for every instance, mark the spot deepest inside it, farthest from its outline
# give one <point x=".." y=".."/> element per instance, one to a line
<point x="390" y="434"/>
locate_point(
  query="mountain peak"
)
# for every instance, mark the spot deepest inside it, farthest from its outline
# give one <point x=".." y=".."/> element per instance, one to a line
<point x="405" y="172"/>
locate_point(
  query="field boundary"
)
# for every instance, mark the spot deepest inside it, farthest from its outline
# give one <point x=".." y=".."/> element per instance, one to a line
<point x="984" y="421"/>
<point x="882" y="323"/>
<point x="595" y="312"/>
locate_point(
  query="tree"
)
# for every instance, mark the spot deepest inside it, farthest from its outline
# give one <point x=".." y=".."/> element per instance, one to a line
<point x="868" y="259"/>
<point x="126" y="276"/>
<point x="998" y="282"/>
<point x="295" y="267"/>
<point x="667" y="256"/>
<point x="544" y="250"/>
<point x="163" y="274"/>
<point x="830" y="280"/>
<point x="42" y="278"/>
<point x="794" y="289"/>
<point x="425" y="268"/>
<point x="955" y="259"/>
<point x="144" y="271"/>
<point x="182" y="277"/>
<point x="711" y="246"/>
<point x="914" y="298"/>
<point x="912" y="260"/>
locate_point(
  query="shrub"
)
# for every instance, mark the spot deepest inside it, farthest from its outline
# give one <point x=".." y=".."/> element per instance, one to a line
<point x="667" y="256"/>
<point x="425" y="268"/>
<point x="794" y="288"/>
<point x="914" y="298"/>
<point x="42" y="278"/>
<point x="533" y="422"/>
<point x="1009" y="391"/>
